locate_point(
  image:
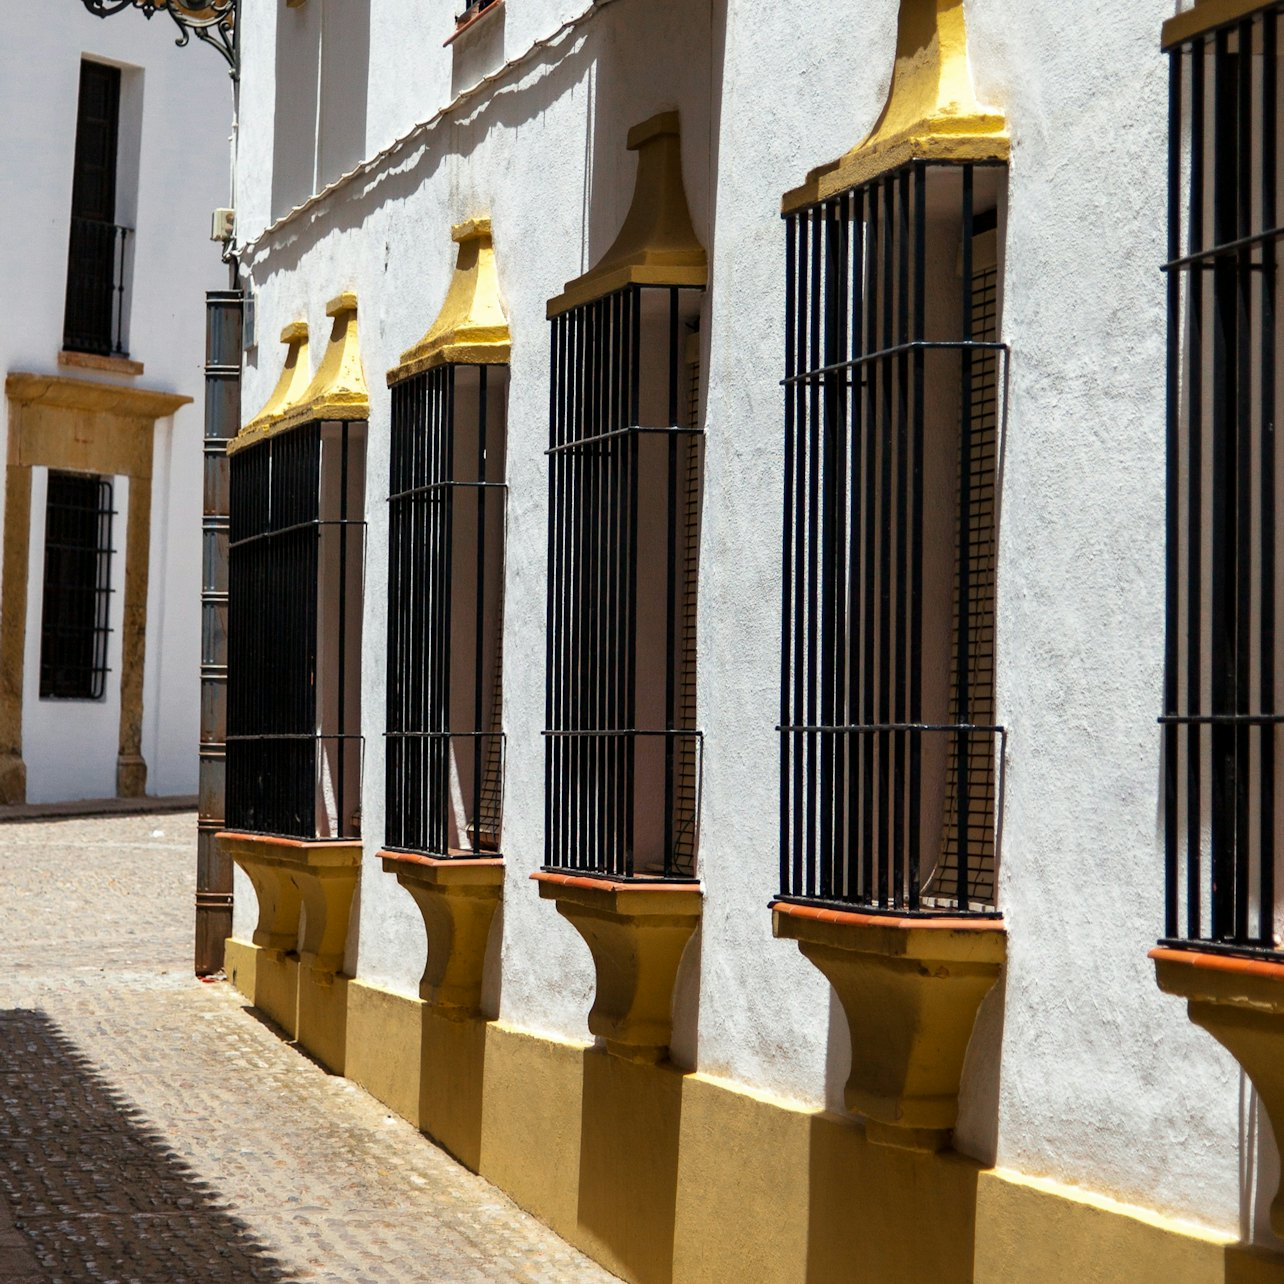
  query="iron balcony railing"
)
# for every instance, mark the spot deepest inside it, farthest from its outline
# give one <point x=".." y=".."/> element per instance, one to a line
<point x="94" y="320"/>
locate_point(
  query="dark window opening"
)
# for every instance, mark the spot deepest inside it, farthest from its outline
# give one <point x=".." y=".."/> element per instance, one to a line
<point x="1222" y="670"/>
<point x="296" y="557"/>
<point x="891" y="754"/>
<point x="445" y="743"/>
<point x="473" y="10"/>
<point x="94" y="319"/>
<point x="625" y="480"/>
<point x="75" y="611"/>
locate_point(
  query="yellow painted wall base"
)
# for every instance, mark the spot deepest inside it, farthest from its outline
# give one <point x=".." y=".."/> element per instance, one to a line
<point x="664" y="1176"/>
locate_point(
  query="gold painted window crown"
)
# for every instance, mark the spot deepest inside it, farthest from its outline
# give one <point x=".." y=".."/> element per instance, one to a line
<point x="472" y="326"/>
<point x="337" y="390"/>
<point x="931" y="113"/>
<point x="657" y="245"/>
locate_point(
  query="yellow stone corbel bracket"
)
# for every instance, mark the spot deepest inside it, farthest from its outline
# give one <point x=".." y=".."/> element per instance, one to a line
<point x="657" y="244"/>
<point x="1240" y="1002"/>
<point x="278" y="925"/>
<point x="472" y="326"/>
<point x="322" y="875"/>
<point x="296" y="374"/>
<point x="636" y="933"/>
<point x="931" y="112"/>
<point x="458" y="900"/>
<point x="911" y="989"/>
<point x="326" y="875"/>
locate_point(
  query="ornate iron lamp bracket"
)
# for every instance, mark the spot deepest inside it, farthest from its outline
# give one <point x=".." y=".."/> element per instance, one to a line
<point x="213" y="21"/>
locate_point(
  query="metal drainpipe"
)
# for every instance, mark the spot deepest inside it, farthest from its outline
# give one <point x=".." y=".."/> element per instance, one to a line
<point x="223" y="320"/>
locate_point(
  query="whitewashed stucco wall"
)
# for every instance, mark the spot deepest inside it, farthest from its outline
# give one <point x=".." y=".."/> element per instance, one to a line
<point x="176" y="105"/>
<point x="1079" y="1069"/>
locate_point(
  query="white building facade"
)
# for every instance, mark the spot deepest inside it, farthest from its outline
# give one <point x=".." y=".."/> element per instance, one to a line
<point x="110" y="175"/>
<point x="968" y="1070"/>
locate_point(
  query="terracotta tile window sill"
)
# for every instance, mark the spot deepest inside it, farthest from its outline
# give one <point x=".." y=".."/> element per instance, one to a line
<point x="470" y="22"/>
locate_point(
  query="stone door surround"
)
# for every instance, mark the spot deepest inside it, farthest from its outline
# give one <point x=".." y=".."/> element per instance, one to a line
<point x="81" y="426"/>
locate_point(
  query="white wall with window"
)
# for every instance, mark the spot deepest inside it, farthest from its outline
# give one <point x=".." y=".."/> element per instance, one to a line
<point x="170" y="172"/>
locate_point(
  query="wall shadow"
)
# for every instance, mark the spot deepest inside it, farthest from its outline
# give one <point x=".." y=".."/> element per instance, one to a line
<point x="97" y="1192"/>
<point x="630" y="1121"/>
<point x="876" y="1213"/>
<point x="452" y="1077"/>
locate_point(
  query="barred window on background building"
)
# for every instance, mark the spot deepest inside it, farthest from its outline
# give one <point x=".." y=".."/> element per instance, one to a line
<point x="894" y="370"/>
<point x="76" y="602"/>
<point x="295" y="571"/>
<point x="625" y="479"/>
<point x="445" y="744"/>
<point x="1222" y="673"/>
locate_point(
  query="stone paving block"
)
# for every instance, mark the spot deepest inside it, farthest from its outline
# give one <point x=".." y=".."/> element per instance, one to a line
<point x="152" y="1129"/>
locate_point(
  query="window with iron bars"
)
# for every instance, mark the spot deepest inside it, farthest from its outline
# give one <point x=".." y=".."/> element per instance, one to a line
<point x="1222" y="672"/>
<point x="445" y="744"/>
<point x="94" y="316"/>
<point x="296" y="557"/>
<point x="625" y="478"/>
<point x="890" y="751"/>
<point x="76" y="603"/>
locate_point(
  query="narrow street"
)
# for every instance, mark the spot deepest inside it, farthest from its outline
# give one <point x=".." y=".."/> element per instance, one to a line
<point x="151" y="1128"/>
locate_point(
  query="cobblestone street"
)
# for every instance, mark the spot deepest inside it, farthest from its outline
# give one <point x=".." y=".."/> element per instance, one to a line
<point x="152" y="1129"/>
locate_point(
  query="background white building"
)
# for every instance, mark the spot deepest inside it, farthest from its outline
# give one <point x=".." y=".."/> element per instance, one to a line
<point x="113" y="156"/>
<point x="1098" y="1134"/>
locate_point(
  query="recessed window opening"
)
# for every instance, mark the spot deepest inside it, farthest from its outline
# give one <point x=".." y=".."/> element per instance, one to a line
<point x="1223" y="666"/>
<point x="295" y="574"/>
<point x="891" y="752"/>
<point x="94" y="317"/>
<point x="625" y="469"/>
<point x="445" y="742"/>
<point x="76" y="603"/>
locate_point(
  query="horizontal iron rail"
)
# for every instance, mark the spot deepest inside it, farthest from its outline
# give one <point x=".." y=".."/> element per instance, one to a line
<point x="1225" y="248"/>
<point x="899" y="350"/>
<point x="636" y="430"/>
<point x="868" y="728"/>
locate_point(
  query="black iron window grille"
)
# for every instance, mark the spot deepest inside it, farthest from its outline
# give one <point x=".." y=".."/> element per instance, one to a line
<point x="445" y="743"/>
<point x="625" y="476"/>
<point x="296" y="558"/>
<point x="76" y="604"/>
<point x="891" y="756"/>
<point x="1222" y="672"/>
<point x="97" y="260"/>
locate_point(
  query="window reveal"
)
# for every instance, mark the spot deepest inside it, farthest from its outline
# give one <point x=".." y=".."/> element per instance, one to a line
<point x="1222" y="670"/>
<point x="445" y="744"/>
<point x="296" y="555"/>
<point x="893" y="371"/>
<point x="625" y="463"/>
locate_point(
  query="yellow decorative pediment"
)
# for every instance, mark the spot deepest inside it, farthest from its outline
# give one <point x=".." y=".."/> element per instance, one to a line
<point x="931" y="113"/>
<point x="472" y="327"/>
<point x="338" y="390"/>
<point x="289" y="389"/>
<point x="657" y="244"/>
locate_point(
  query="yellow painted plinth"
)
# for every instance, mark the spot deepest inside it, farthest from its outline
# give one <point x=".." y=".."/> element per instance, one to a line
<point x="323" y="1016"/>
<point x="669" y="1176"/>
<point x="269" y="979"/>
